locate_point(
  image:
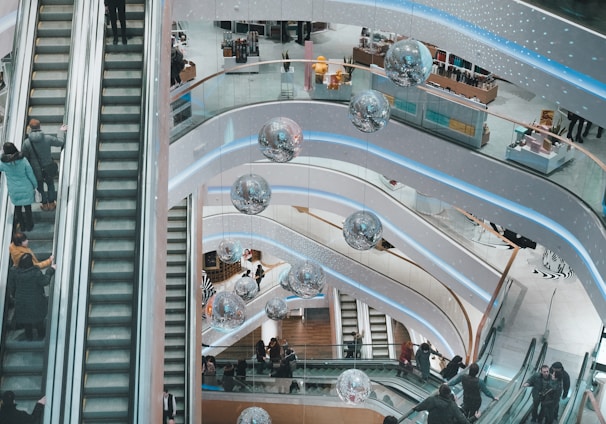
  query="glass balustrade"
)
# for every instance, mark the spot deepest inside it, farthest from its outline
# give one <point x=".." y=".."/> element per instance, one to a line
<point x="433" y="109"/>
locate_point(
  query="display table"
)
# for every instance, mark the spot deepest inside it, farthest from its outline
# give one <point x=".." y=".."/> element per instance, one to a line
<point x="365" y="57"/>
<point x="230" y="62"/>
<point x="545" y="162"/>
<point x="484" y="95"/>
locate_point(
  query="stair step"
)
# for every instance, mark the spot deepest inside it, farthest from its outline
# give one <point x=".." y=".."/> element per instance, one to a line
<point x="121" y="113"/>
<point x="116" y="336"/>
<point x="112" y="269"/>
<point x="115" y="208"/>
<point x="120" y="132"/>
<point x="47" y="114"/>
<point x="55" y="28"/>
<point x="113" y="248"/>
<point x="116" y="189"/>
<point x="106" y="383"/>
<point x="123" y="60"/>
<point x="49" y="79"/>
<point x="113" y="149"/>
<point x="118" y="169"/>
<point x="103" y="359"/>
<point x="122" y="77"/>
<point x="109" y="313"/>
<point x="115" y="227"/>
<point x="52" y="12"/>
<point x="111" y="291"/>
<point x="53" y="45"/>
<point x="47" y="96"/>
<point x="96" y="408"/>
<point x="123" y="95"/>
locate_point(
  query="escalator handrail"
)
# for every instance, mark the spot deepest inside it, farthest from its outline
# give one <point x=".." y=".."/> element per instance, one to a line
<point x="577" y="395"/>
<point x="15" y="116"/>
<point x="508" y="396"/>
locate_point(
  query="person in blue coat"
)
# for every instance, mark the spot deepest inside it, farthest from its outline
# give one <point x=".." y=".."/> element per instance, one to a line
<point x="21" y="183"/>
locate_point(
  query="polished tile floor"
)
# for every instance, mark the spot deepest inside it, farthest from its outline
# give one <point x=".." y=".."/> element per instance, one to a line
<point x="542" y="303"/>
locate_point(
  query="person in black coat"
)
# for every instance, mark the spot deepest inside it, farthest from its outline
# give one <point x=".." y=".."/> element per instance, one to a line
<point x="117" y="10"/>
<point x="442" y="408"/>
<point x="452" y="368"/>
<point x="26" y="286"/>
<point x="9" y="414"/>
<point x="169" y="406"/>
<point x="537" y="381"/>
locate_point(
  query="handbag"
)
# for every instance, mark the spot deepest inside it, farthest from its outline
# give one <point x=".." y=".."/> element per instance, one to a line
<point x="48" y="171"/>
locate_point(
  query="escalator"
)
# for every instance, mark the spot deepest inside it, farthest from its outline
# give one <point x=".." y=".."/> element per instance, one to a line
<point x="380" y="331"/>
<point x="23" y="363"/>
<point x="175" y="346"/>
<point x="110" y="345"/>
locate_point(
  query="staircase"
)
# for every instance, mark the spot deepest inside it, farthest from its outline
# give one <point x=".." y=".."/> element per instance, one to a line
<point x="379" y="334"/>
<point x="349" y="318"/>
<point x="109" y="342"/>
<point x="23" y="363"/>
<point x="175" y="333"/>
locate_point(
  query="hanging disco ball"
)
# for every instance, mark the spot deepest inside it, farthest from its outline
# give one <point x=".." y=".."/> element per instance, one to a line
<point x="280" y="139"/>
<point x="246" y="288"/>
<point x="306" y="279"/>
<point x="276" y="309"/>
<point x="353" y="386"/>
<point x="408" y="63"/>
<point x="229" y="251"/>
<point x="250" y="194"/>
<point x="228" y="312"/>
<point x="362" y="230"/>
<point x="254" y="415"/>
<point x="369" y="111"/>
<point x="283" y="279"/>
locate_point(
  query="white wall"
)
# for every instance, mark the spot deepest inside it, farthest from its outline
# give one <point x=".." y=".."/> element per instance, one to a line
<point x="8" y="16"/>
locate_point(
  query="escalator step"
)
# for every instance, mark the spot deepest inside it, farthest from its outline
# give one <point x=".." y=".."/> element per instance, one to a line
<point x="124" y="169"/>
<point x="47" y="96"/>
<point x="44" y="78"/>
<point x="53" y="45"/>
<point x="51" y="12"/>
<point x="109" y="313"/>
<point x="114" y="189"/>
<point x="115" y="227"/>
<point x="110" y="291"/>
<point x="109" y="336"/>
<point x="54" y="28"/>
<point x="104" y="359"/>
<point x="106" y="208"/>
<point x="122" y="77"/>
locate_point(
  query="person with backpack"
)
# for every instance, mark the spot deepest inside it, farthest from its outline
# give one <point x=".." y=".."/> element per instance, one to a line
<point x="37" y="150"/>
<point x="472" y="386"/>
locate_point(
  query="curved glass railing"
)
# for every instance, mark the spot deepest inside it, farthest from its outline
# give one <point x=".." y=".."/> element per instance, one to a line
<point x="433" y="109"/>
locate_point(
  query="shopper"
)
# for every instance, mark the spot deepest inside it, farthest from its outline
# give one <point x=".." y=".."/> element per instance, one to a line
<point x="21" y="183"/>
<point x="20" y="246"/>
<point x="574" y="119"/>
<point x="422" y="356"/>
<point x="537" y="381"/>
<point x="472" y="386"/>
<point x="117" y="10"/>
<point x="37" y="149"/>
<point x="405" y="358"/>
<point x="26" y="287"/>
<point x="169" y="407"/>
<point x="442" y="408"/>
<point x="259" y="274"/>
<point x="452" y="369"/>
<point x="9" y="414"/>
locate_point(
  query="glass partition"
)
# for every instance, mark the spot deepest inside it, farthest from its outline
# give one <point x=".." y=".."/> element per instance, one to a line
<point x="527" y="145"/>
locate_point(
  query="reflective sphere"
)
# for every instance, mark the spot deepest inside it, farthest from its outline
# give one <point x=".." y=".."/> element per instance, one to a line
<point x="369" y="111"/>
<point x="254" y="415"/>
<point x="246" y="288"/>
<point x="229" y="251"/>
<point x="306" y="279"/>
<point x="362" y="230"/>
<point x="250" y="194"/>
<point x="283" y="279"/>
<point x="228" y="312"/>
<point x="353" y="386"/>
<point x="280" y="139"/>
<point x="276" y="308"/>
<point x="408" y="63"/>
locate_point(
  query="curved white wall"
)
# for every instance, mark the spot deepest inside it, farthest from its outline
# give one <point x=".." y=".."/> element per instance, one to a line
<point x="494" y="190"/>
